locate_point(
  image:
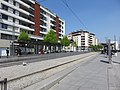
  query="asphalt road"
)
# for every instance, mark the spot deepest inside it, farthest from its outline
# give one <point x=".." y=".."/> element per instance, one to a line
<point x="38" y="58"/>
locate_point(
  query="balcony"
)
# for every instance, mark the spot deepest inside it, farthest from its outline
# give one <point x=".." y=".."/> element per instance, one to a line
<point x="53" y="22"/>
<point x="53" y="27"/>
<point x="32" y="1"/>
<point x="17" y="25"/>
<point x="15" y="8"/>
<point x="28" y="2"/>
<point x="15" y="16"/>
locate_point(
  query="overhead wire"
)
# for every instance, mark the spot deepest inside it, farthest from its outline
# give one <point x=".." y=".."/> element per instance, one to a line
<point x="66" y="4"/>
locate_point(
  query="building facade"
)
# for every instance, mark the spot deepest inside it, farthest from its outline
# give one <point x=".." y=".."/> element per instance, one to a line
<point x="17" y="16"/>
<point x="83" y="39"/>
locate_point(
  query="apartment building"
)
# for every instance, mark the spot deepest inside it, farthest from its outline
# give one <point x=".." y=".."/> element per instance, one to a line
<point x="83" y="39"/>
<point x="17" y="16"/>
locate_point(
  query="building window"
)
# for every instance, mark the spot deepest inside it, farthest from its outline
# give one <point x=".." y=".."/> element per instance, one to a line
<point x="5" y="36"/>
<point x="17" y="13"/>
<point x="13" y="19"/>
<point x="43" y="12"/>
<point x="10" y="10"/>
<point x="52" y="17"/>
<point x="14" y="11"/>
<point x="0" y="25"/>
<point x="44" y="24"/>
<point x="6" y="0"/>
<point x="4" y="17"/>
<point x="44" y="18"/>
<point x="4" y="26"/>
<point x="17" y="4"/>
<point x="42" y="35"/>
<point x="14" y="3"/>
<point x="43" y="30"/>
<point x="4" y="7"/>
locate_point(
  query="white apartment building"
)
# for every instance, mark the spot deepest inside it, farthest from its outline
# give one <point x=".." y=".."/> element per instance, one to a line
<point x="17" y="16"/>
<point x="115" y="45"/>
<point x="83" y="39"/>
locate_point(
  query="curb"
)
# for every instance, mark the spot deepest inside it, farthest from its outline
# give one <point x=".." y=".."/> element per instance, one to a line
<point x="49" y="82"/>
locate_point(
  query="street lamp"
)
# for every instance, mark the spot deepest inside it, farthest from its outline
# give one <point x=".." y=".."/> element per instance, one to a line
<point x="25" y="49"/>
<point x="12" y="47"/>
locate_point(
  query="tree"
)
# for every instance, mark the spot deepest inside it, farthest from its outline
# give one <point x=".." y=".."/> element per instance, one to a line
<point x="96" y="47"/>
<point x="74" y="44"/>
<point x="65" y="41"/>
<point x="100" y="47"/>
<point x="23" y="37"/>
<point x="51" y="38"/>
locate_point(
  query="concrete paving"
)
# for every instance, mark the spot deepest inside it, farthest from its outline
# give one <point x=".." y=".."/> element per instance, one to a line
<point x="52" y="80"/>
<point x="14" y="60"/>
<point x="114" y="73"/>
<point x="20" y="76"/>
<point x="96" y="74"/>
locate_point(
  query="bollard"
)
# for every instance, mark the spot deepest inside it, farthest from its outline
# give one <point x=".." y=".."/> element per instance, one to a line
<point x="5" y="84"/>
<point x="1" y="86"/>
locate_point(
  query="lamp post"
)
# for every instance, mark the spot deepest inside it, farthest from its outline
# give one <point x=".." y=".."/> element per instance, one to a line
<point x="25" y="49"/>
<point x="12" y="47"/>
<point x="109" y="51"/>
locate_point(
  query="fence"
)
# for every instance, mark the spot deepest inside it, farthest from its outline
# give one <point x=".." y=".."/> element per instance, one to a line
<point x="3" y="84"/>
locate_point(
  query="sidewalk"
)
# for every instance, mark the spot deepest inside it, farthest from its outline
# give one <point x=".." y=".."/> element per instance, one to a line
<point x="20" y="76"/>
<point x="36" y="56"/>
<point x="114" y="73"/>
<point x="96" y="74"/>
<point x="4" y="59"/>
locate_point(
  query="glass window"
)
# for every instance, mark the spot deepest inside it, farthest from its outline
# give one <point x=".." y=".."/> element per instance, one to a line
<point x="4" y="7"/>
<point x="13" y="19"/>
<point x="0" y="25"/>
<point x="4" y="26"/>
<point x="14" y="11"/>
<point x="4" y="17"/>
<point x="6" y="0"/>
<point x="14" y="3"/>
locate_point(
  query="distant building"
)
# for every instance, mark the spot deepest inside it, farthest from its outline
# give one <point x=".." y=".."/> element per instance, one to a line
<point x="17" y="16"/>
<point x="115" y="45"/>
<point x="83" y="39"/>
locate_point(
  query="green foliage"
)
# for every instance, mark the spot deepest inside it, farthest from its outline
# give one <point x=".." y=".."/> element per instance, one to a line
<point x="51" y="37"/>
<point x="74" y="44"/>
<point x="65" y="41"/>
<point x="99" y="46"/>
<point x="23" y="36"/>
<point x="96" y="47"/>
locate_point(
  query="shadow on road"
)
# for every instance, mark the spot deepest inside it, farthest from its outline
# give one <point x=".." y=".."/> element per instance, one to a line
<point x="116" y="62"/>
<point x="108" y="62"/>
<point x="104" y="61"/>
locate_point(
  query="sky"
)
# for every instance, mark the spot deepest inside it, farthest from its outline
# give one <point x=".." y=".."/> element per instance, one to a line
<point x="101" y="17"/>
